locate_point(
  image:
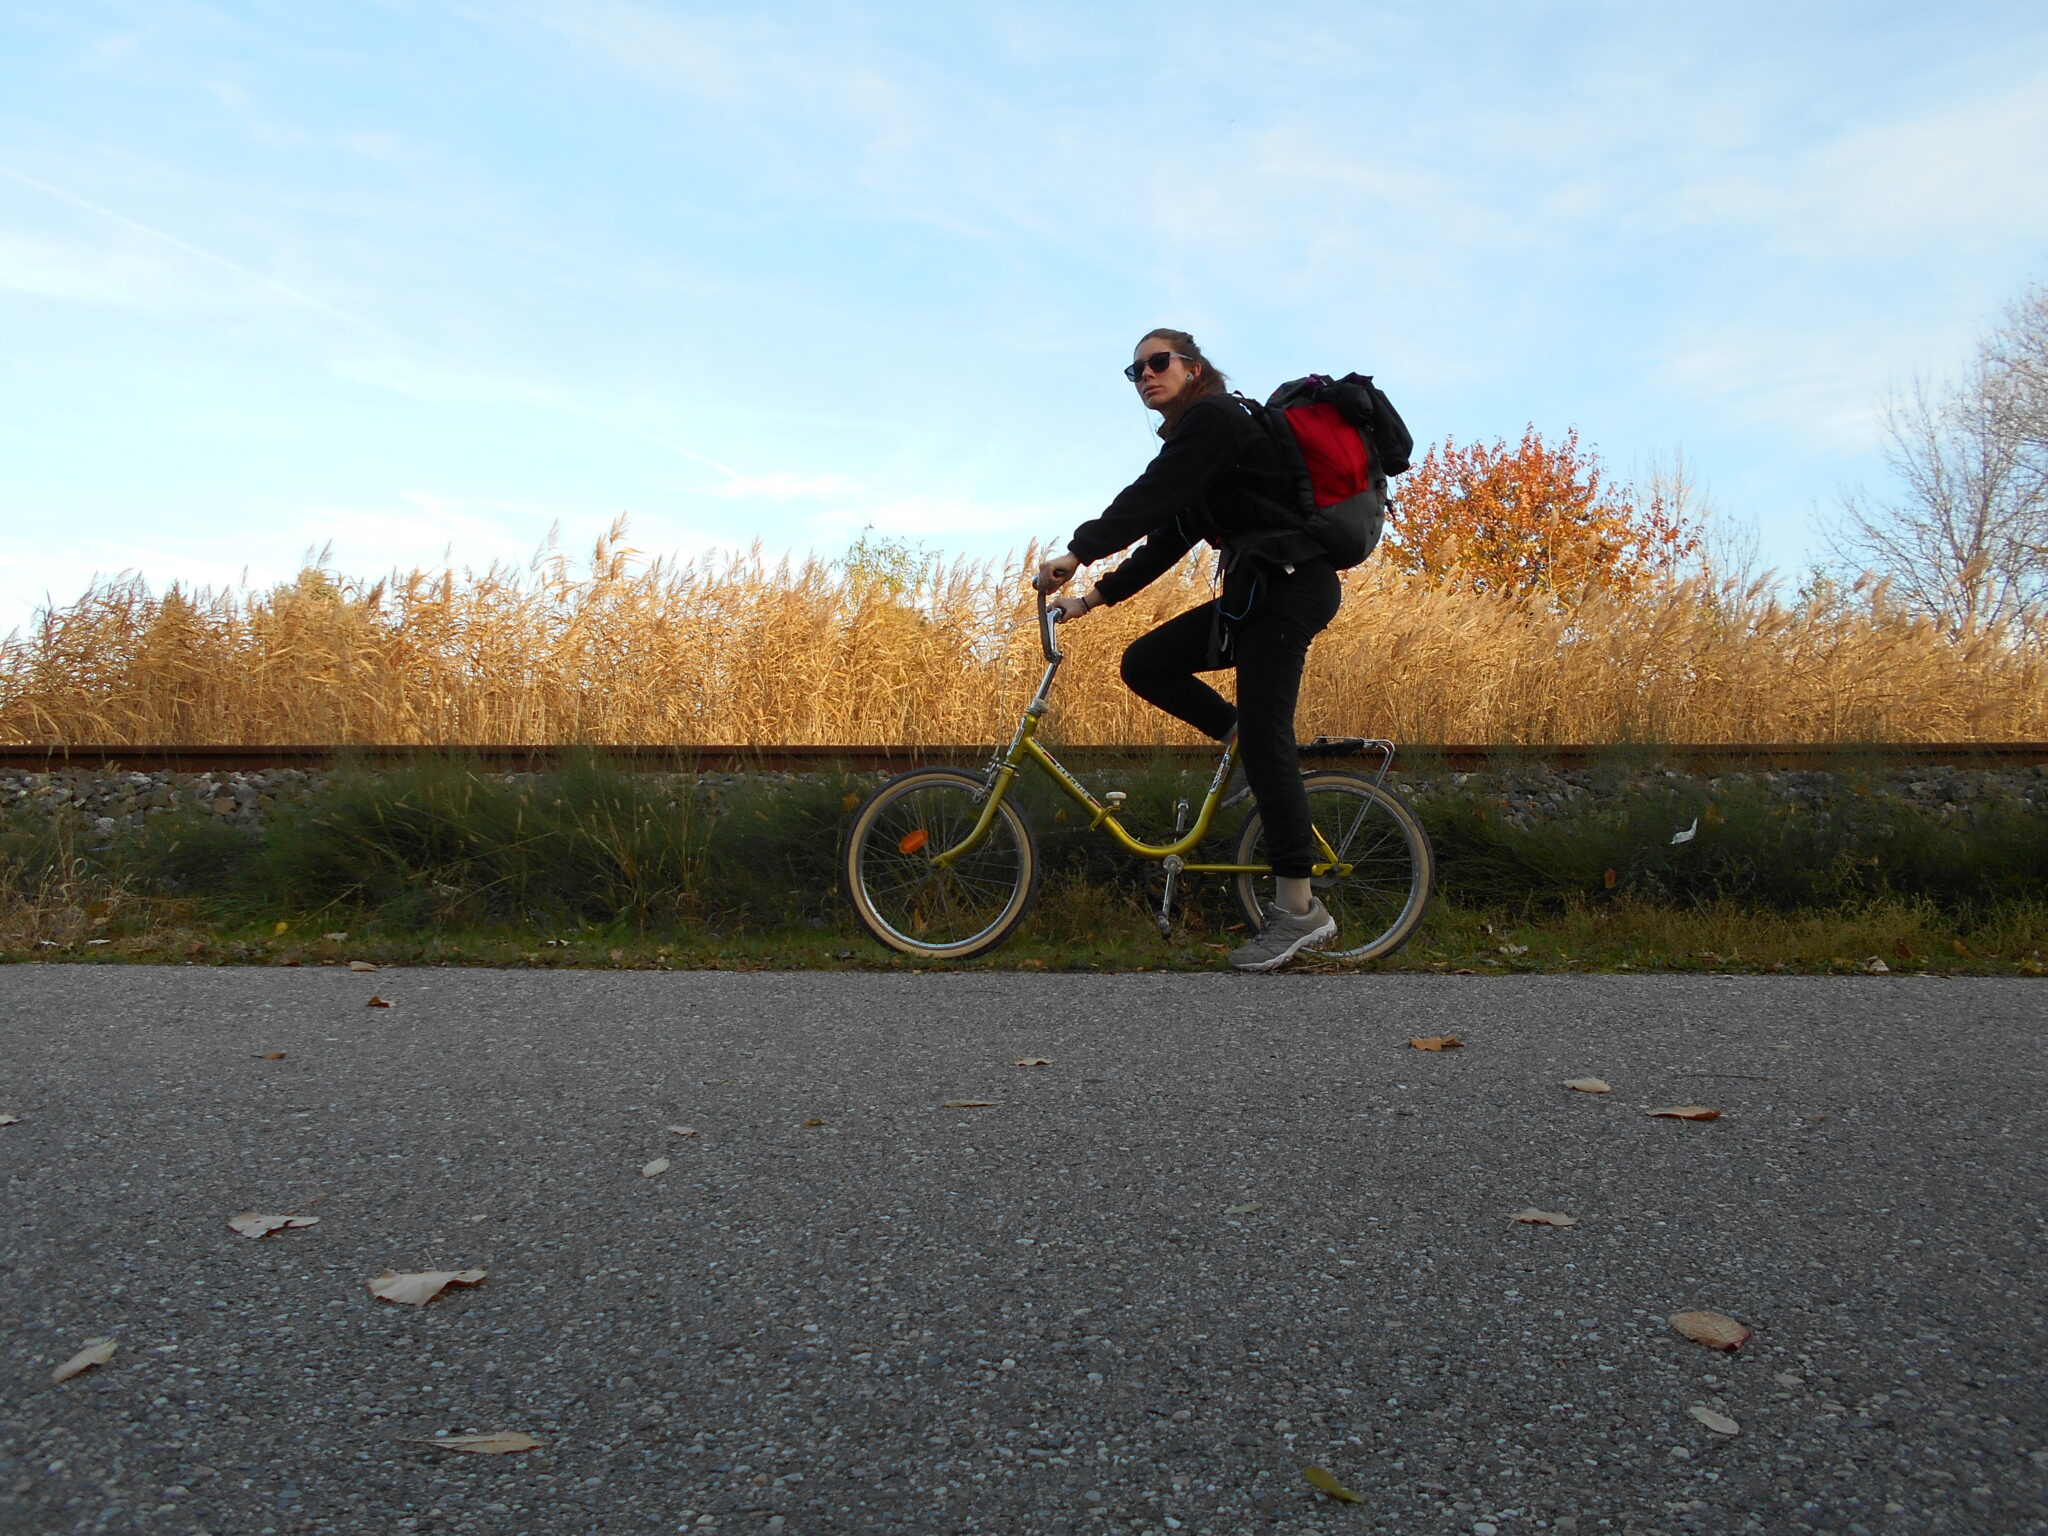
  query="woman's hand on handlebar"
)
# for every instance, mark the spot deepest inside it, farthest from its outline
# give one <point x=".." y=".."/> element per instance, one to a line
<point x="1056" y="573"/>
<point x="1071" y="605"/>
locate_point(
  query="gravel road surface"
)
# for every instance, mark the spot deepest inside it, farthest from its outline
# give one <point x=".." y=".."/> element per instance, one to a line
<point x="1236" y="1228"/>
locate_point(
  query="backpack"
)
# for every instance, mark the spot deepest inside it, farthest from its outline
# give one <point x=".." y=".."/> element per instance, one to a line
<point x="1343" y="440"/>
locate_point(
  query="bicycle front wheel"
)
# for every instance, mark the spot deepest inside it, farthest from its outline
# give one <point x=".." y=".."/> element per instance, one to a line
<point x="936" y="912"/>
<point x="1379" y="902"/>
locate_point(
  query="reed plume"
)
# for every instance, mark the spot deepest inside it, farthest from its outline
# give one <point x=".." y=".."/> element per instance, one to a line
<point x="750" y="650"/>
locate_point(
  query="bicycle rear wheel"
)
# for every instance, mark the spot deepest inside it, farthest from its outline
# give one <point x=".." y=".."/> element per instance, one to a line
<point x="1381" y="901"/>
<point x="918" y="908"/>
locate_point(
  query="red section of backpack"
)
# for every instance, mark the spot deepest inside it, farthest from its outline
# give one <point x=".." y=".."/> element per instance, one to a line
<point x="1339" y="464"/>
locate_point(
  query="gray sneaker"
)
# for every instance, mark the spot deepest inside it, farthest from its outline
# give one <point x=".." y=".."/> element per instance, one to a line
<point x="1283" y="937"/>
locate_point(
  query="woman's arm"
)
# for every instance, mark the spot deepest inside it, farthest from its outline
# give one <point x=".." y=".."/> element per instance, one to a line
<point x="1162" y="549"/>
<point x="1206" y="444"/>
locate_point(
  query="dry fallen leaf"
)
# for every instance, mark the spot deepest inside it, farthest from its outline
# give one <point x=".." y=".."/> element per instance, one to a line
<point x="655" y="1169"/>
<point x="682" y="1130"/>
<point x="813" y="1123"/>
<point x="270" y="1055"/>
<point x="972" y="1103"/>
<point x="849" y="802"/>
<point x="361" y="965"/>
<point x="418" y="1290"/>
<point x="1437" y="1043"/>
<point x="1323" y="1482"/>
<point x="10" y="1119"/>
<point x="1587" y="1085"/>
<point x="1712" y="1329"/>
<point x="1686" y="1112"/>
<point x="1875" y="967"/>
<point x="249" y="1224"/>
<point x="279" y="926"/>
<point x="1241" y="1210"/>
<point x="1536" y="1218"/>
<point x="1032" y="1061"/>
<point x="96" y="1352"/>
<point x="1608" y="878"/>
<point x="500" y="1443"/>
<point x="1719" y="1423"/>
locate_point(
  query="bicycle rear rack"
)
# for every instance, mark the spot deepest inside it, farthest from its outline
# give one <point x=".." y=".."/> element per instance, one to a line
<point x="1353" y="746"/>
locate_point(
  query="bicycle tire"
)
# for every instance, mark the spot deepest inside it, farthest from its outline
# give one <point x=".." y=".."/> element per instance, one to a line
<point x="1381" y="903"/>
<point x="906" y="904"/>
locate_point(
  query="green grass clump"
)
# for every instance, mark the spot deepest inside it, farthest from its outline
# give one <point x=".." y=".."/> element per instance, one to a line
<point x="1751" y="846"/>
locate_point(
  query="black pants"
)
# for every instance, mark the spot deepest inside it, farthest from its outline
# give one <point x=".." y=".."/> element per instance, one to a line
<point x="1282" y="612"/>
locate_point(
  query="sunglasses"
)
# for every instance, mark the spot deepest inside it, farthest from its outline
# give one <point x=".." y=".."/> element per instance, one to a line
<point x="1158" y="362"/>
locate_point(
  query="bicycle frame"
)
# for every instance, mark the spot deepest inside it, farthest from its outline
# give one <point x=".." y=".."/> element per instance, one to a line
<point x="1025" y="748"/>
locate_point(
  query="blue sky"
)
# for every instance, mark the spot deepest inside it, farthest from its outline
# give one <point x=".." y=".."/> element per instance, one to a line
<point x="406" y="276"/>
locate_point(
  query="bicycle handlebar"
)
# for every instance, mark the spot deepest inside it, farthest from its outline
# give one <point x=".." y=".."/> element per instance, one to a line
<point x="1048" y="617"/>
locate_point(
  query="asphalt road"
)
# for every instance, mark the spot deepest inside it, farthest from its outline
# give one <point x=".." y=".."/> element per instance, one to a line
<point x="1050" y="1315"/>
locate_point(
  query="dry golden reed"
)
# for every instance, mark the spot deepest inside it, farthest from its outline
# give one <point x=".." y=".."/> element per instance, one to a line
<point x="749" y="651"/>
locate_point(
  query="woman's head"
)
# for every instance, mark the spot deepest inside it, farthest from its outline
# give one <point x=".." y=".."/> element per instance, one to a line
<point x="1172" y="374"/>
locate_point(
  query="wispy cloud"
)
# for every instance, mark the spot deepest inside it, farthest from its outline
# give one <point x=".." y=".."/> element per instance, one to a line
<point x="91" y="274"/>
<point x="1928" y="176"/>
<point x="713" y="57"/>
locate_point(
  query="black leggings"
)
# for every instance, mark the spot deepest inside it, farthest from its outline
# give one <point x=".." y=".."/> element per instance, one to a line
<point x="1267" y="646"/>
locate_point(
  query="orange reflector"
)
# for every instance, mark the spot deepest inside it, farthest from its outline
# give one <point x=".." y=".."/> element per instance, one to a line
<point x="910" y="842"/>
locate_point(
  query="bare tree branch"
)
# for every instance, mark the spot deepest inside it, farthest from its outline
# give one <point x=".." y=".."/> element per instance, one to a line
<point x="1965" y="538"/>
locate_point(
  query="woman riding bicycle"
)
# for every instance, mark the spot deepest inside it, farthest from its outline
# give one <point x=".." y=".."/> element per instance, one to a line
<point x="1218" y="478"/>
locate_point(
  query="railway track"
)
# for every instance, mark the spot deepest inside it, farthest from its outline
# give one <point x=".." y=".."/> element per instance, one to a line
<point x="1412" y="757"/>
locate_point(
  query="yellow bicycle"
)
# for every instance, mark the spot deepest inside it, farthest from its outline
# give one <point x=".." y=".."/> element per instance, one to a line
<point x="942" y="865"/>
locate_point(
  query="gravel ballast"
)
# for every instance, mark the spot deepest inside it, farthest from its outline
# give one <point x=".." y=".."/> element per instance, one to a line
<point x="1236" y="1228"/>
<point x="110" y="802"/>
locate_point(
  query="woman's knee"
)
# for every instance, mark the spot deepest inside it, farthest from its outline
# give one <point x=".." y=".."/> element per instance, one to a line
<point x="1144" y="666"/>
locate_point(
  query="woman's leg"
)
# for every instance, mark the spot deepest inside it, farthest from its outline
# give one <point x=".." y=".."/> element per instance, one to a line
<point x="1271" y="645"/>
<point x="1160" y="667"/>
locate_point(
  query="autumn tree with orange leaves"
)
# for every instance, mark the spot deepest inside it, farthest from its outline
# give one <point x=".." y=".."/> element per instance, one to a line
<point x="1540" y="517"/>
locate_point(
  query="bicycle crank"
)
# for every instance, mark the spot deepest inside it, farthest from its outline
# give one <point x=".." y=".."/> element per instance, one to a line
<point x="1174" y="865"/>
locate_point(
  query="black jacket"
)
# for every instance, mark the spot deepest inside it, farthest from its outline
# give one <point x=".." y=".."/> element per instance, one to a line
<point x="1217" y="478"/>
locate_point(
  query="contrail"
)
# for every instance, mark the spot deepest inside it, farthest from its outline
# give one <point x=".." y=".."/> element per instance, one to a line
<point x="204" y="255"/>
<point x="528" y="392"/>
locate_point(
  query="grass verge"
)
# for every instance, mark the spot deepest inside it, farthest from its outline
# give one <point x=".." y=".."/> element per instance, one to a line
<point x="445" y="863"/>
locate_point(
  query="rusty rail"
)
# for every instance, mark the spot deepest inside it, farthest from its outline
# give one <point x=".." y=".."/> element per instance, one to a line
<point x="1414" y="757"/>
